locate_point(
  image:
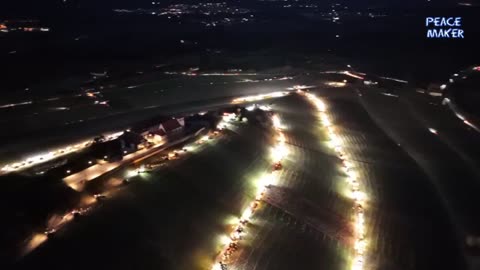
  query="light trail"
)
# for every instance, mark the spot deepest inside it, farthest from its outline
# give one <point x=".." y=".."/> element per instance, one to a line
<point x="259" y="97"/>
<point x="189" y="73"/>
<point x="336" y="84"/>
<point x="389" y="94"/>
<point x="266" y="80"/>
<point x="432" y="130"/>
<point x="357" y="194"/>
<point x="15" y="104"/>
<point x="301" y="87"/>
<point x="394" y="79"/>
<point x="348" y="73"/>
<point x="459" y="114"/>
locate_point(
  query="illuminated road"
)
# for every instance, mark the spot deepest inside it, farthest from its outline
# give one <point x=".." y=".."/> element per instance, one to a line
<point x="76" y="180"/>
<point x="281" y="240"/>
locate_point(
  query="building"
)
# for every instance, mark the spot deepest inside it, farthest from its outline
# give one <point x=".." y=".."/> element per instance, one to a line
<point x="166" y="128"/>
<point x="172" y="126"/>
<point x="114" y="150"/>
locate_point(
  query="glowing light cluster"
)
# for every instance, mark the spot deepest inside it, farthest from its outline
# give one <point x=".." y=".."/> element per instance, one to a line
<point x="279" y="152"/>
<point x="336" y="84"/>
<point x="358" y="196"/>
<point x="261" y="107"/>
<point x="301" y="87"/>
<point x="226" y="119"/>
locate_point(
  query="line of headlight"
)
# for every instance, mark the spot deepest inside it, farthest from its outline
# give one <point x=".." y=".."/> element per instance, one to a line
<point x="259" y="97"/>
<point x="278" y="153"/>
<point x="47" y="156"/>
<point x="358" y="196"/>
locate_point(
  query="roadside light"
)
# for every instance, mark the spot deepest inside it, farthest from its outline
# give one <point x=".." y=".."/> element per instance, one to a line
<point x="68" y="171"/>
<point x="131" y="173"/>
<point x="105" y="157"/>
<point x="89" y="162"/>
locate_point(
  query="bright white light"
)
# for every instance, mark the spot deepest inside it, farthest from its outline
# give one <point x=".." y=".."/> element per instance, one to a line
<point x="279" y="152"/>
<point x="217" y="266"/>
<point x="224" y="240"/>
<point x="337" y="84"/>
<point x="227" y="117"/>
<point x="336" y="142"/>
<point x="131" y="173"/>
<point x="432" y="130"/>
<point x="259" y="97"/>
<point x="358" y="196"/>
<point x="267" y="180"/>
<point x="247" y="214"/>
<point x="360" y="246"/>
<point x="347" y="164"/>
<point x="265" y="108"/>
<point x="276" y="122"/>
